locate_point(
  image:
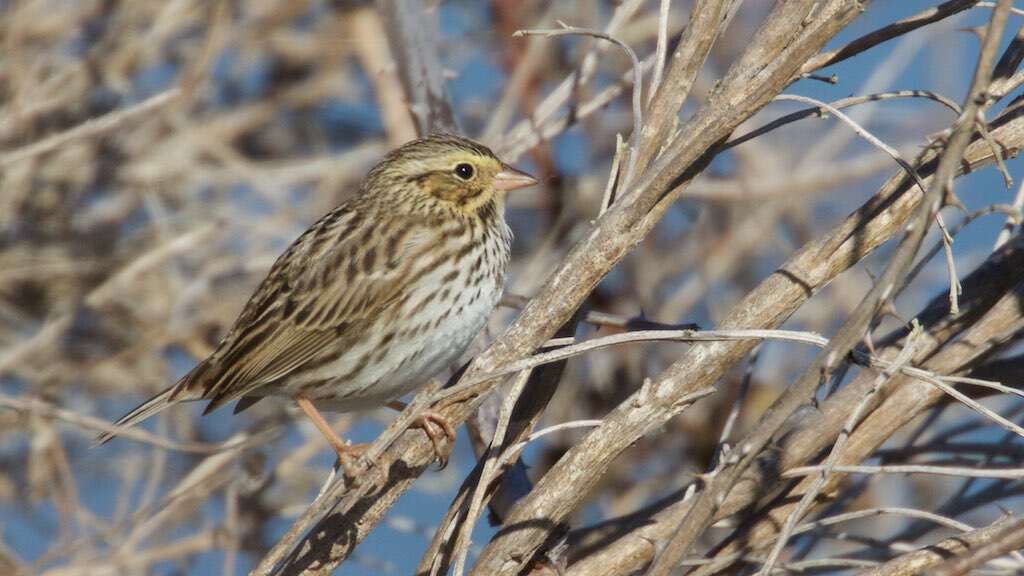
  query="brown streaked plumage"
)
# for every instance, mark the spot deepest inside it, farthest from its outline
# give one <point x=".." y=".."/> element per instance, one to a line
<point x="376" y="297"/>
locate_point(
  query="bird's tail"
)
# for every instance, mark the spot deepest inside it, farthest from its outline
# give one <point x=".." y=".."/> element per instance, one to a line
<point x="141" y="412"/>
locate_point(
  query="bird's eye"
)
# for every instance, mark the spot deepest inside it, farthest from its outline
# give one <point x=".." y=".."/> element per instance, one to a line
<point x="464" y="171"/>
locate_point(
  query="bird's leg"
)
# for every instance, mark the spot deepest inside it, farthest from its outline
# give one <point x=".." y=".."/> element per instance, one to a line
<point x="346" y="452"/>
<point x="424" y="420"/>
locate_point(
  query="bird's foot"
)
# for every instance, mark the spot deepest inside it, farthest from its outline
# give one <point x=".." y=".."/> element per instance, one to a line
<point x="349" y="463"/>
<point x="349" y="458"/>
<point x="427" y="420"/>
<point x="349" y="455"/>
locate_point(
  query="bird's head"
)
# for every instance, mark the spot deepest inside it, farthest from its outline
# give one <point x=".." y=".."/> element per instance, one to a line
<point x="448" y="171"/>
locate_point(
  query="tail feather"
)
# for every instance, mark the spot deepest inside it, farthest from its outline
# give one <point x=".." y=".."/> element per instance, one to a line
<point x="141" y="412"/>
<point x="193" y="386"/>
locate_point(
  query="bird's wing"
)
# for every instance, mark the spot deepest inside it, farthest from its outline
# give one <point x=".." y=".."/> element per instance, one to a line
<point x="328" y="287"/>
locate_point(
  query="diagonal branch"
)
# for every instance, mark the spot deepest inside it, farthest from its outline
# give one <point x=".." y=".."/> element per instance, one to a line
<point x="962" y="546"/>
<point x="790" y="35"/>
<point x="985" y="286"/>
<point x="886" y="33"/>
<point x="854" y="329"/>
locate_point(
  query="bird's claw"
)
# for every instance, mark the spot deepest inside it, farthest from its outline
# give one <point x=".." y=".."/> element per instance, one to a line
<point x="426" y="420"/>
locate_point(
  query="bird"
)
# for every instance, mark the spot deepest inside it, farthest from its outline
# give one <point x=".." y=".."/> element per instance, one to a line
<point x="375" y="298"/>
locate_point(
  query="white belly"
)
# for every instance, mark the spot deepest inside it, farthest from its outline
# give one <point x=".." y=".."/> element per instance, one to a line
<point x="444" y="345"/>
<point x="411" y="360"/>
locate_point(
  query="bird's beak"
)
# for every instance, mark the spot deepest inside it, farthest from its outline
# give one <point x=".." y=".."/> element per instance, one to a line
<point x="511" y="179"/>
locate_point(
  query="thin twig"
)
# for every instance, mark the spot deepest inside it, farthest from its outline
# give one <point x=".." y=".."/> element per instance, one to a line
<point x="817" y="111"/>
<point x="811" y="338"/>
<point x="490" y="470"/>
<point x="628" y="337"/>
<point x="955" y="289"/>
<point x="571" y="425"/>
<point x="722" y="448"/>
<point x="88" y="426"/>
<point x="787" y="530"/>
<point x="638" y="73"/>
<point x="92" y="128"/>
<point x="661" y="49"/>
<point x="886" y="33"/>
<point x="613" y="175"/>
<point x="526" y="135"/>
<point x="970" y="403"/>
<point x="863" y="132"/>
<point x="1012" y="220"/>
<point x="997" y="150"/>
<point x="514" y="142"/>
<point x="1017" y="11"/>
<point x="963" y="472"/>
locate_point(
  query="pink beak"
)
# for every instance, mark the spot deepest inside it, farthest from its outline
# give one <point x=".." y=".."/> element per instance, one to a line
<point x="511" y="179"/>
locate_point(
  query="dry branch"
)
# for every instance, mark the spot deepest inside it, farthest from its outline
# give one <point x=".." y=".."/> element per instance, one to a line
<point x="741" y="93"/>
<point x="857" y="325"/>
<point x="894" y="30"/>
<point x="413" y="40"/>
<point x="805" y="273"/>
<point x="962" y="545"/>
